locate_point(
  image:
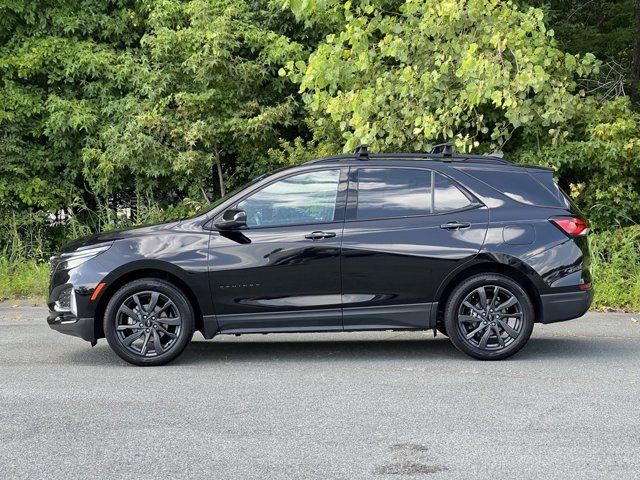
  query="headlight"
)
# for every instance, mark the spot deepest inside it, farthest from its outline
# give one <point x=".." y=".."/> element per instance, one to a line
<point x="77" y="257"/>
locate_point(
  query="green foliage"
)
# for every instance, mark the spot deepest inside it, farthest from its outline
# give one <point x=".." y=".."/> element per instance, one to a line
<point x="465" y="71"/>
<point x="63" y="66"/>
<point x="23" y="279"/>
<point x="214" y="106"/>
<point x="599" y="164"/>
<point x="605" y="28"/>
<point x="616" y="268"/>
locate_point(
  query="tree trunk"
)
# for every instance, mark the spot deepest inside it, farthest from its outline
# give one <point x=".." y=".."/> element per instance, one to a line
<point x="223" y="190"/>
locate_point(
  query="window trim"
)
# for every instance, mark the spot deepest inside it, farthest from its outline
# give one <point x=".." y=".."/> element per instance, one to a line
<point x="340" y="205"/>
<point x="352" y="196"/>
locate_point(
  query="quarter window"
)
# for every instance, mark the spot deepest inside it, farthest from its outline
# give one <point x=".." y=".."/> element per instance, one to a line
<point x="519" y="186"/>
<point x="304" y="198"/>
<point x="393" y="192"/>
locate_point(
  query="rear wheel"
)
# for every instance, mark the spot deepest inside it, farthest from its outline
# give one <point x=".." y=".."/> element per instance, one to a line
<point x="489" y="317"/>
<point x="148" y="322"/>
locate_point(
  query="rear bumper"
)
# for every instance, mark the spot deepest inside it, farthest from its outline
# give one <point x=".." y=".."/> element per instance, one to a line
<point x="68" y="324"/>
<point x="558" y="307"/>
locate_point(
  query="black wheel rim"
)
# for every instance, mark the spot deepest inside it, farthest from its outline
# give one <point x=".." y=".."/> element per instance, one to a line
<point x="490" y="318"/>
<point x="148" y="324"/>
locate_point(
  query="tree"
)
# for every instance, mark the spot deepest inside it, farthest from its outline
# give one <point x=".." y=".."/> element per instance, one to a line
<point x="610" y="30"/>
<point x="62" y="64"/>
<point x="215" y="104"/>
<point x="471" y="71"/>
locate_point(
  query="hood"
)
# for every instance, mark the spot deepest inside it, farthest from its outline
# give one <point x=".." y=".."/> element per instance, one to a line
<point x="114" y="235"/>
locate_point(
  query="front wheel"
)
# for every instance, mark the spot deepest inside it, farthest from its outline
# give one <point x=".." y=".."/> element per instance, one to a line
<point x="489" y="317"/>
<point x="148" y="322"/>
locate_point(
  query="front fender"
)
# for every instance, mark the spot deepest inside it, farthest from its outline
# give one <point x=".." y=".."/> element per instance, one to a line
<point x="181" y="257"/>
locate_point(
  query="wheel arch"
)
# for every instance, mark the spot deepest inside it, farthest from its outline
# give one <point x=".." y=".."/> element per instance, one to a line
<point x="113" y="285"/>
<point x="508" y="270"/>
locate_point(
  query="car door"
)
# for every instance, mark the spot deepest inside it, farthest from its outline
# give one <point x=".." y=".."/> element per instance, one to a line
<point x="405" y="230"/>
<point x="282" y="272"/>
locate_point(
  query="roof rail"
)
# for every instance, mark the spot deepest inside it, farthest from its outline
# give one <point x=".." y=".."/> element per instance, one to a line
<point x="444" y="155"/>
<point x="362" y="152"/>
<point x="445" y="148"/>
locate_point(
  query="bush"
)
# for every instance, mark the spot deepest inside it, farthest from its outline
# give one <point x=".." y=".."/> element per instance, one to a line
<point x="598" y="164"/>
<point x="616" y="268"/>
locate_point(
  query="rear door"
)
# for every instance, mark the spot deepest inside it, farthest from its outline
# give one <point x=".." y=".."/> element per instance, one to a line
<point x="405" y="230"/>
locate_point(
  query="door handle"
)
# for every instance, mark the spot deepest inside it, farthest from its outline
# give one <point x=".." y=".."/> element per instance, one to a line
<point x="455" y="225"/>
<point x="320" y="235"/>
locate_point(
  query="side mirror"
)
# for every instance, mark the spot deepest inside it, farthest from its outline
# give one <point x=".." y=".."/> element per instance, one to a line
<point x="232" y="219"/>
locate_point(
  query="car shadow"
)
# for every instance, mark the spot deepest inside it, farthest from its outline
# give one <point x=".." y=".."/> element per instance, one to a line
<point x="290" y="350"/>
<point x="421" y="348"/>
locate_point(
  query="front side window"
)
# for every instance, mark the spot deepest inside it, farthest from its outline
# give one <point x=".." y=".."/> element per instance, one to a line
<point x="393" y="192"/>
<point x="299" y="199"/>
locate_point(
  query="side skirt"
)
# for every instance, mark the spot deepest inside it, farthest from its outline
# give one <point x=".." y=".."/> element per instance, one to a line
<point x="388" y="317"/>
<point x="415" y="316"/>
<point x="323" y="320"/>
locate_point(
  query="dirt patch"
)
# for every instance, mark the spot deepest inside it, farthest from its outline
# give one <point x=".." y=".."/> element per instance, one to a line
<point x="412" y="447"/>
<point x="408" y="468"/>
<point x="409" y="459"/>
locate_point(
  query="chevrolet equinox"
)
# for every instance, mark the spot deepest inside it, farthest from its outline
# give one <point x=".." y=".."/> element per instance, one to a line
<point x="473" y="246"/>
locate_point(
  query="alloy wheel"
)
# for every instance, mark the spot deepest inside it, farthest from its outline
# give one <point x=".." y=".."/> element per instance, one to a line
<point x="490" y="318"/>
<point x="148" y="323"/>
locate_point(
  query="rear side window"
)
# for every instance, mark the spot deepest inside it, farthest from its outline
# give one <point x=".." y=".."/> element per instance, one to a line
<point x="519" y="186"/>
<point x="446" y="196"/>
<point x="393" y="192"/>
<point x="547" y="181"/>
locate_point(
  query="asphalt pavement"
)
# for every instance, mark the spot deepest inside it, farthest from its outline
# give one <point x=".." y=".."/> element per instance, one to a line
<point x="322" y="406"/>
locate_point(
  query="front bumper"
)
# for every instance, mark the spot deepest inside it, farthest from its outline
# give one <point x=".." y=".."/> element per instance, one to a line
<point x="67" y="323"/>
<point x="558" y="307"/>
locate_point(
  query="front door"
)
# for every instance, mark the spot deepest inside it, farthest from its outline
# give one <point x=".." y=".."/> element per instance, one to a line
<point x="282" y="272"/>
<point x="405" y="230"/>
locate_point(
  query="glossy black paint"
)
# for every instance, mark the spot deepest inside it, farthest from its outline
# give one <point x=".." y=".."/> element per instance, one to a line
<point x="391" y="273"/>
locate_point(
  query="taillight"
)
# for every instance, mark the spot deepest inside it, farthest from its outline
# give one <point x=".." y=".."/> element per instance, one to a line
<point x="572" y="226"/>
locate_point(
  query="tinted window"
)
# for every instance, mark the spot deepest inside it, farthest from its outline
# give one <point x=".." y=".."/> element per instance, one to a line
<point x="519" y="186"/>
<point x="305" y="198"/>
<point x="446" y="196"/>
<point x="547" y="181"/>
<point x="393" y="192"/>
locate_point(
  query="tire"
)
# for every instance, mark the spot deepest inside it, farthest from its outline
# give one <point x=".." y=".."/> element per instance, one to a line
<point x="157" y="314"/>
<point x="484" y="332"/>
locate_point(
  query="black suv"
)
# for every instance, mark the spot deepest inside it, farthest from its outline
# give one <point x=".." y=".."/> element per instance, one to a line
<point x="473" y="246"/>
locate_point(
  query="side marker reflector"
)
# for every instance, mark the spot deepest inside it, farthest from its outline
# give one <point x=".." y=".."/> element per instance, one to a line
<point x="97" y="291"/>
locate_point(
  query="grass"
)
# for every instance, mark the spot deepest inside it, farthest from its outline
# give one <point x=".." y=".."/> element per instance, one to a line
<point x="24" y="279"/>
<point x="615" y="267"/>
